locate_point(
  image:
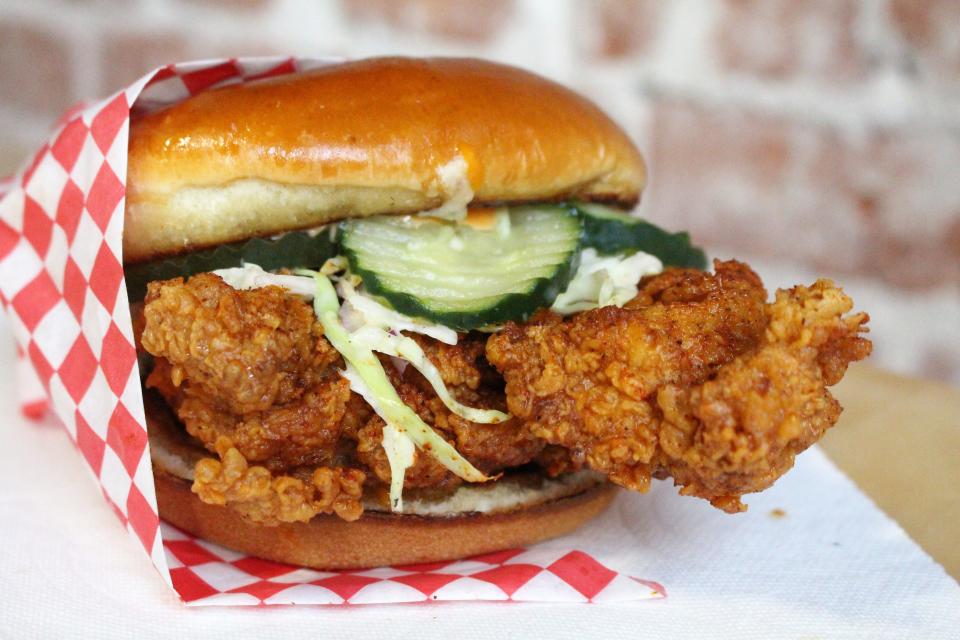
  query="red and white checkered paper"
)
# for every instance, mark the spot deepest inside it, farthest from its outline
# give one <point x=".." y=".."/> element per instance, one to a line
<point x="62" y="283"/>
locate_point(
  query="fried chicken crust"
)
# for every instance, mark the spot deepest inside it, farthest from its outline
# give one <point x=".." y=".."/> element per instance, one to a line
<point x="470" y="379"/>
<point x="583" y="383"/>
<point x="247" y="350"/>
<point x="696" y="378"/>
<point x="740" y="431"/>
<point x="269" y="499"/>
<point x="301" y="432"/>
<point x="293" y="409"/>
<point x="251" y="366"/>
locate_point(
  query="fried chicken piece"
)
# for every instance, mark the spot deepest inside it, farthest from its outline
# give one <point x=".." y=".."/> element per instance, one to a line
<point x="252" y="366"/>
<point x="495" y="447"/>
<point x="680" y="328"/>
<point x="305" y="431"/>
<point x="597" y="383"/>
<point x="489" y="447"/>
<point x="473" y="382"/>
<point x="696" y="378"/>
<point x="247" y="350"/>
<point x="463" y="366"/>
<point x="267" y="499"/>
<point x="582" y="384"/>
<point x="199" y="332"/>
<point x="558" y="460"/>
<point x="740" y="431"/>
<point x="425" y="471"/>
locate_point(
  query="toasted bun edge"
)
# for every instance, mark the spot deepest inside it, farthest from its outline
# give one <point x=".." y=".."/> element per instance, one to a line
<point x="376" y="539"/>
<point x="376" y="136"/>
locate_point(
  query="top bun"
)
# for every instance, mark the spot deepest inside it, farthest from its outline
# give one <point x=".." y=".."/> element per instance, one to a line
<point x="384" y="135"/>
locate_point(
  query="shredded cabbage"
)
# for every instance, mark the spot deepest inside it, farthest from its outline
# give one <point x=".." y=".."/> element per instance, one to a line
<point x="378" y="328"/>
<point x="605" y="280"/>
<point x="251" y="276"/>
<point x="396" y="444"/>
<point x="401" y="346"/>
<point x="335" y="265"/>
<point x="374" y="323"/>
<point x="363" y="366"/>
<point x="360" y="310"/>
<point x="399" y="449"/>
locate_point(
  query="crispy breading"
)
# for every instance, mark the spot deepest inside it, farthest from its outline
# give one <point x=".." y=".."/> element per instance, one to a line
<point x="249" y="365"/>
<point x="247" y="350"/>
<point x="463" y="366"/>
<point x="473" y="382"/>
<point x="583" y="383"/>
<point x="740" y="431"/>
<point x="697" y="378"/>
<point x="304" y="431"/>
<point x="271" y="499"/>
<point x="198" y="332"/>
<point x="672" y="383"/>
<point x="426" y="471"/>
<point x="490" y="448"/>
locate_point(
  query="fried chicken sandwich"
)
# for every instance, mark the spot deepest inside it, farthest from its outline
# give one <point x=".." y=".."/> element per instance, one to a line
<point x="396" y="310"/>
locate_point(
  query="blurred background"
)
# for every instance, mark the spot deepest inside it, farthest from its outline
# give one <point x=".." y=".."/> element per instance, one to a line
<point x="808" y="137"/>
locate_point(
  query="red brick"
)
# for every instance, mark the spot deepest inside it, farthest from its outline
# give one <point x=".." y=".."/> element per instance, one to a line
<point x="883" y="205"/>
<point x="126" y="55"/>
<point x="787" y="38"/>
<point x="230" y="5"/>
<point x="225" y="47"/>
<point x="712" y="171"/>
<point x="620" y="28"/>
<point x="35" y="72"/>
<point x="929" y="29"/>
<point x="456" y="19"/>
<point x="909" y="180"/>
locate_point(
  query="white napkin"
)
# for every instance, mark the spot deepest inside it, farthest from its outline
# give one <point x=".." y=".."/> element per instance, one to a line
<point x="831" y="566"/>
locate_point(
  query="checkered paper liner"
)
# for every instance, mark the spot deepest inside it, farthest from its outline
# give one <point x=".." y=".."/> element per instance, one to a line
<point x="204" y="573"/>
<point x="62" y="284"/>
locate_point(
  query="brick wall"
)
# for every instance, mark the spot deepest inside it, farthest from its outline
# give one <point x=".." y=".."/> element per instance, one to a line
<point x="813" y="136"/>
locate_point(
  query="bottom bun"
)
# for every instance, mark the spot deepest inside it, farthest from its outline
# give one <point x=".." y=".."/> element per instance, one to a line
<point x="376" y="539"/>
<point x="520" y="509"/>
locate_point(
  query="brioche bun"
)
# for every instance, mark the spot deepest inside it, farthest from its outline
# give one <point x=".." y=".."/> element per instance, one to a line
<point x="377" y="136"/>
<point x="376" y="539"/>
<point x="514" y="511"/>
